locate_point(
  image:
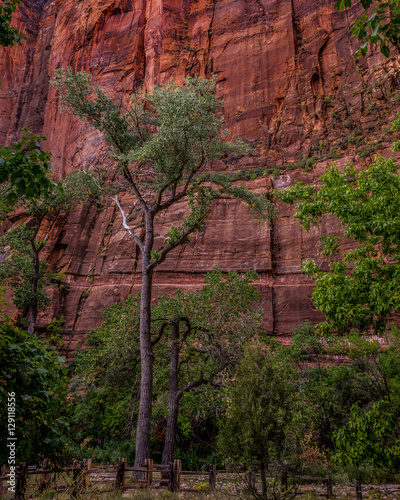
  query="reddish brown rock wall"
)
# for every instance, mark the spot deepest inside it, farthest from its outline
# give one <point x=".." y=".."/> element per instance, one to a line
<point x="289" y="83"/>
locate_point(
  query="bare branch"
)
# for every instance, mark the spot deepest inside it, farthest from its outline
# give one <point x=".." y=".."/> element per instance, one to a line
<point x="125" y="223"/>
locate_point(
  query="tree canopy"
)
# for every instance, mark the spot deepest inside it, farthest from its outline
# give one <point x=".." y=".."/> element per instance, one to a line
<point x="361" y="288"/>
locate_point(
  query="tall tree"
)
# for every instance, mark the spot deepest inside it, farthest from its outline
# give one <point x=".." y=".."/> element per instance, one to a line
<point x="163" y="144"/>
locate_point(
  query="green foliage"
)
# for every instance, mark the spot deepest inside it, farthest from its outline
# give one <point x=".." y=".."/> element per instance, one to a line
<point x="37" y="377"/>
<point x="163" y="144"/>
<point x="105" y="452"/>
<point x="221" y="316"/>
<point x="381" y="27"/>
<point x="337" y="401"/>
<point x="106" y="374"/>
<point x="370" y="437"/>
<point x="9" y="35"/>
<point x="17" y="269"/>
<point x="105" y="381"/>
<point x="361" y="287"/>
<point x="25" y="167"/>
<point x="396" y="127"/>
<point x="255" y="427"/>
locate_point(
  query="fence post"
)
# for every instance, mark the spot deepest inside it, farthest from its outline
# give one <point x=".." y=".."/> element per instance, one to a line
<point x="178" y="474"/>
<point x="77" y="477"/>
<point x="213" y="477"/>
<point x="328" y="487"/>
<point x="358" y="490"/>
<point x="121" y="473"/>
<point x="21" y="481"/>
<point x="175" y="475"/>
<point x="86" y="474"/>
<point x="149" y="474"/>
<point x="46" y="481"/>
<point x="2" y="483"/>
<point x="171" y="476"/>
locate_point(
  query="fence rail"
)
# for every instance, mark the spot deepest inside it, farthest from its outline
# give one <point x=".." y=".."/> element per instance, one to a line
<point x="84" y="476"/>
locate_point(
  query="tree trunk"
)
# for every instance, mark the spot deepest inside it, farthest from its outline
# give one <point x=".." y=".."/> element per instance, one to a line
<point x="146" y="352"/>
<point x="146" y="379"/>
<point x="36" y="275"/>
<point x="174" y="398"/>
<point x="263" y="481"/>
<point x="32" y="320"/>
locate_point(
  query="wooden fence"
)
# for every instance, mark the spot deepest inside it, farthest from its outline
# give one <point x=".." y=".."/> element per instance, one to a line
<point x="84" y="476"/>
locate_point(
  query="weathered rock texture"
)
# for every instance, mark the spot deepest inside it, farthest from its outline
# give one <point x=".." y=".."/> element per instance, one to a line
<point x="290" y="86"/>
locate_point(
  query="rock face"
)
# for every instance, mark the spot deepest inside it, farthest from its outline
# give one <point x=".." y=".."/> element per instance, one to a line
<point x="290" y="87"/>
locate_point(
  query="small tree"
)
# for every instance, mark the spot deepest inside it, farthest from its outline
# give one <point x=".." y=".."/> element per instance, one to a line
<point x="24" y="170"/>
<point x="209" y="329"/>
<point x="163" y="144"/>
<point x="361" y="288"/>
<point x="259" y="412"/>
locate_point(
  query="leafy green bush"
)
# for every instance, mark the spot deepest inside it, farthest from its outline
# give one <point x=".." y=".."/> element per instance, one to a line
<point x="37" y="378"/>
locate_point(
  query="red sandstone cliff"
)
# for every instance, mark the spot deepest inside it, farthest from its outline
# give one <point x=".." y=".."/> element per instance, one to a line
<point x="290" y="86"/>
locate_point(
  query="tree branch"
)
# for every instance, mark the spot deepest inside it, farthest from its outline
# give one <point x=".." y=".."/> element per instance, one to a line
<point x="138" y="241"/>
<point x="165" y="252"/>
<point x="129" y="178"/>
<point x="202" y="380"/>
<point x="176" y="197"/>
<point x="160" y="333"/>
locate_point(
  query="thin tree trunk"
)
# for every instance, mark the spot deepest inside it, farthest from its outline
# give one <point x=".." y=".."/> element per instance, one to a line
<point x="174" y="398"/>
<point x="263" y="481"/>
<point x="32" y="320"/>
<point x="146" y="352"/>
<point x="35" y="281"/>
<point x="170" y="435"/>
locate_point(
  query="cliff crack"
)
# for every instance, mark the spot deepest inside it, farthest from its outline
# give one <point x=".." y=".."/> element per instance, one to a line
<point x="207" y="59"/>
